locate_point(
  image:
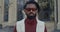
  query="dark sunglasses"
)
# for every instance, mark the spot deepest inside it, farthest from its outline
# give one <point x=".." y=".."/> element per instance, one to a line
<point x="29" y="9"/>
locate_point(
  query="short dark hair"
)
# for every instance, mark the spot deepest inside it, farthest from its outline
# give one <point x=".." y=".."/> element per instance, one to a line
<point x="32" y="2"/>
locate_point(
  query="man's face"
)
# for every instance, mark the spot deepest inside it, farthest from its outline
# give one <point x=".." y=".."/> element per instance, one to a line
<point x="31" y="10"/>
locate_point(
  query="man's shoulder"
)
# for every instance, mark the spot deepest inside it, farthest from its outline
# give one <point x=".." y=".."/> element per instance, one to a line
<point x="21" y="21"/>
<point x="41" y="22"/>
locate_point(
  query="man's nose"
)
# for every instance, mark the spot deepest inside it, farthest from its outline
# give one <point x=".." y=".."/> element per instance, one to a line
<point x="31" y="11"/>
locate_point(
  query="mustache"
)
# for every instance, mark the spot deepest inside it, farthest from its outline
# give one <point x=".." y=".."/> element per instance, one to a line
<point x="31" y="13"/>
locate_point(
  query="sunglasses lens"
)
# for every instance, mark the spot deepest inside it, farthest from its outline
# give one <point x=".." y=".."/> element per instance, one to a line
<point x="29" y="9"/>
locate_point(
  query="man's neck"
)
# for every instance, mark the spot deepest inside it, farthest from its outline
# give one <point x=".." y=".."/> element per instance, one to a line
<point x="31" y="21"/>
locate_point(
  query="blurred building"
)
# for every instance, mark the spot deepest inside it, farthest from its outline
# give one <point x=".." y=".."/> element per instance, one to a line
<point x="11" y="11"/>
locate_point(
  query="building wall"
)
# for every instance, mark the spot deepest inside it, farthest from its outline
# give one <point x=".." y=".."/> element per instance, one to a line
<point x="1" y="11"/>
<point x="58" y="25"/>
<point x="12" y="15"/>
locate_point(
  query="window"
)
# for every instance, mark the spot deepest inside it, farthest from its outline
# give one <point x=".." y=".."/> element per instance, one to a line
<point x="6" y="8"/>
<point x="20" y="4"/>
<point x="47" y="10"/>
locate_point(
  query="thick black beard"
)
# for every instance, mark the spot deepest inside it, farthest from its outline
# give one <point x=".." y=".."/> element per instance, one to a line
<point x="31" y="17"/>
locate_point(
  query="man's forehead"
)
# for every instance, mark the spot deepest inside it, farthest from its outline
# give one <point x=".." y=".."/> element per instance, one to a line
<point x="31" y="6"/>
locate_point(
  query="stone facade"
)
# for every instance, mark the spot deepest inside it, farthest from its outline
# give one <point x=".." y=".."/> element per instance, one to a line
<point x="1" y="11"/>
<point x="58" y="25"/>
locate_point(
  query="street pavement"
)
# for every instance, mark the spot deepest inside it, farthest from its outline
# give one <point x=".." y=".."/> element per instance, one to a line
<point x="7" y="29"/>
<point x="0" y="30"/>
